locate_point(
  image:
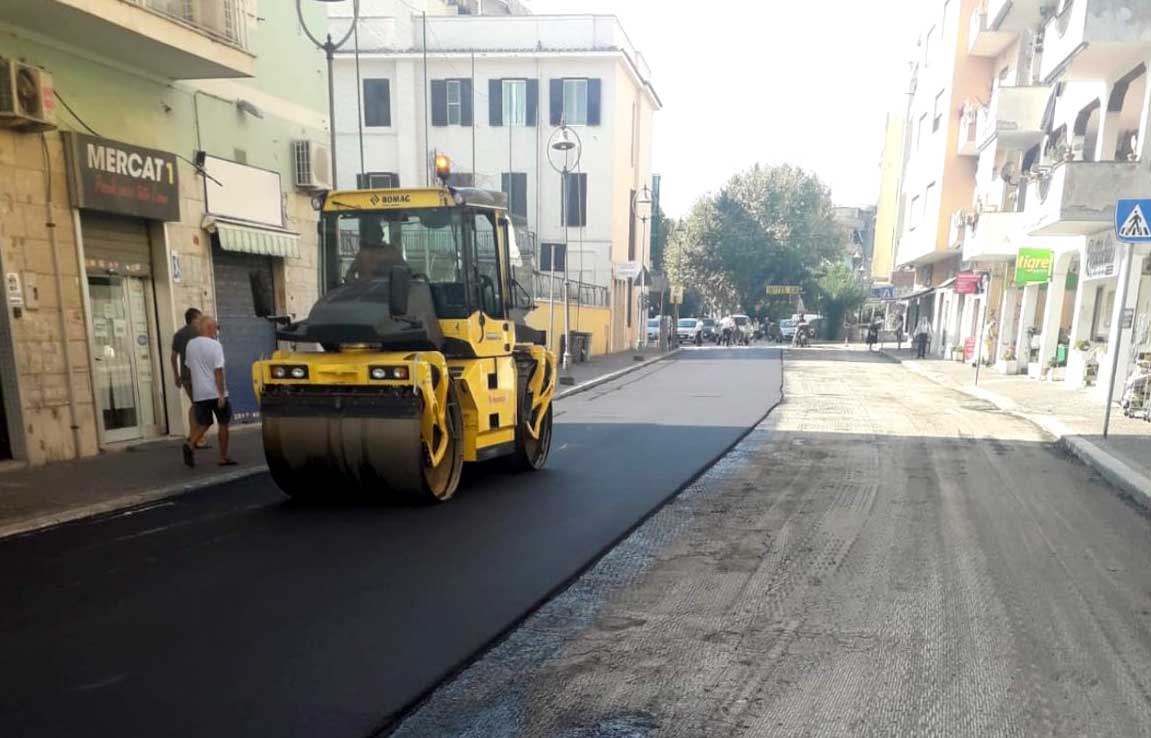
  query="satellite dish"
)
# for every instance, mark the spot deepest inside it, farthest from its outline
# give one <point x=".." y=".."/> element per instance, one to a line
<point x="1009" y="172"/>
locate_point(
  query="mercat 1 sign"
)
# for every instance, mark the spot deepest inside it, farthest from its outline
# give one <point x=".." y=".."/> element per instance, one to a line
<point x="1033" y="266"/>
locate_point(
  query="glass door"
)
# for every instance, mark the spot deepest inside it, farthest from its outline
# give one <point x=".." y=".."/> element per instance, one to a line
<point x="123" y="361"/>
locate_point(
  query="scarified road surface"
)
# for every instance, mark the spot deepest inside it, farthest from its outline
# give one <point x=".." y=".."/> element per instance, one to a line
<point x="231" y="612"/>
<point x="881" y="557"/>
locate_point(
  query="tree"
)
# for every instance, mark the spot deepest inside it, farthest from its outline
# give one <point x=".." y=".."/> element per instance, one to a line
<point x="840" y="293"/>
<point x="767" y="225"/>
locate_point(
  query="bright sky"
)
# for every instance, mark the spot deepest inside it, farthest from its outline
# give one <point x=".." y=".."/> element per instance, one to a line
<point x="773" y="81"/>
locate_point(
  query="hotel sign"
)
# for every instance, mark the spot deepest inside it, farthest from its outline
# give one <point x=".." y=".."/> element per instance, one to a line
<point x="115" y="177"/>
<point x="1102" y="258"/>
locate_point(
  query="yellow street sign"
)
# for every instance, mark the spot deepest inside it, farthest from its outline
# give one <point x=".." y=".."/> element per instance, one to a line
<point x="677" y="295"/>
<point x="783" y="290"/>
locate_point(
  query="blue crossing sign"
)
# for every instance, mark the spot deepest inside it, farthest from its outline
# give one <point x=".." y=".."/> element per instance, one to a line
<point x="1131" y="223"/>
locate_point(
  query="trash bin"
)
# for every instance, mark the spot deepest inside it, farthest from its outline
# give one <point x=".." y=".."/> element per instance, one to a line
<point x="1061" y="355"/>
<point x="581" y="346"/>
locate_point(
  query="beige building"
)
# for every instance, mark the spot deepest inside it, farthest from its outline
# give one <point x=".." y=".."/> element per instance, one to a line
<point x="887" y="216"/>
<point x="1052" y="129"/>
<point x="129" y="194"/>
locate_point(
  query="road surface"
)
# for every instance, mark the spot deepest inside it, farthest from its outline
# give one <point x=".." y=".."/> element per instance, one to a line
<point x="881" y="557"/>
<point x="234" y="613"/>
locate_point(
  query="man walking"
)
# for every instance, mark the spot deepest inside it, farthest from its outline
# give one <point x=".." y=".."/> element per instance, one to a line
<point x="922" y="335"/>
<point x="204" y="357"/>
<point x="180" y="371"/>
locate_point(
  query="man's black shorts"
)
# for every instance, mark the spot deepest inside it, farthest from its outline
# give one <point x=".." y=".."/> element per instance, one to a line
<point x="205" y="409"/>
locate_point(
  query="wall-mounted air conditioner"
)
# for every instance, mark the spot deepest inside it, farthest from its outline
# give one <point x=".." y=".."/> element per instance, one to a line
<point x="313" y="165"/>
<point x="27" y="99"/>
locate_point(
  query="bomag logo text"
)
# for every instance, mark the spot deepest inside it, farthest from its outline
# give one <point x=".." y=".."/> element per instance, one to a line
<point x="391" y="199"/>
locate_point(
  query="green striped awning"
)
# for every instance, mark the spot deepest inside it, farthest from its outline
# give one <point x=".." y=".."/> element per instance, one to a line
<point x="253" y="239"/>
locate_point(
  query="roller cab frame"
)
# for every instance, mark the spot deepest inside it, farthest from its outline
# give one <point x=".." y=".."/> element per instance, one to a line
<point x="423" y="367"/>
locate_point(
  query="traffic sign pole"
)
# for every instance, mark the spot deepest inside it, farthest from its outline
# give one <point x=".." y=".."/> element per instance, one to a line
<point x="1117" y="340"/>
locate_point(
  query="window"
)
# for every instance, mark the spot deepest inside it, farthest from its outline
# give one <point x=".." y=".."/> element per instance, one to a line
<point x="377" y="103"/>
<point x="451" y="102"/>
<point x="634" y="132"/>
<point x="487" y="266"/>
<point x="927" y="47"/>
<point x="461" y="179"/>
<point x="455" y="103"/>
<point x="575" y="205"/>
<point x="515" y="186"/>
<point x="919" y="131"/>
<point x="943" y="21"/>
<point x="515" y="100"/>
<point x="927" y="200"/>
<point x="916" y="212"/>
<point x="937" y="118"/>
<point x="631" y="232"/>
<point x="553" y="257"/>
<point x="575" y="102"/>
<point x="377" y="180"/>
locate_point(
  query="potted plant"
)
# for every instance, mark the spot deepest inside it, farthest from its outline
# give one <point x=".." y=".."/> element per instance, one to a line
<point x="957" y="353"/>
<point x="1007" y="364"/>
<point x="1083" y="346"/>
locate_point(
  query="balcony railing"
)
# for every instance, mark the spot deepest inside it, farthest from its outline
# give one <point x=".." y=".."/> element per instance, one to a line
<point x="1078" y="197"/>
<point x="1015" y="116"/>
<point x="991" y="236"/>
<point x="545" y="284"/>
<point x="220" y="20"/>
<point x="969" y="129"/>
<point x="1091" y="38"/>
<point x="983" y="39"/>
<point x="1014" y="16"/>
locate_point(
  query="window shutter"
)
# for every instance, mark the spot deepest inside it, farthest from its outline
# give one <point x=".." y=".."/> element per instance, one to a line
<point x="576" y="193"/>
<point x="556" y="100"/>
<point x="594" y="87"/>
<point x="495" y="102"/>
<point x="466" y="102"/>
<point x="520" y="188"/>
<point x="377" y="102"/>
<point x="533" y="101"/>
<point x="631" y="231"/>
<point x="439" y="102"/>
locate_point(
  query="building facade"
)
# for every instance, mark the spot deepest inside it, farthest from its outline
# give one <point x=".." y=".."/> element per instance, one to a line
<point x="153" y="170"/>
<point x="1049" y="110"/>
<point x="490" y="91"/>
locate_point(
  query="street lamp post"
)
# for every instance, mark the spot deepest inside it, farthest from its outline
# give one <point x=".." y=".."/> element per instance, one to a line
<point x="641" y="204"/>
<point x="329" y="47"/>
<point x="564" y="151"/>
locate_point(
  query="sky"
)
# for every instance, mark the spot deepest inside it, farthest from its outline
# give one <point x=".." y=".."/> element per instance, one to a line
<point x="773" y="81"/>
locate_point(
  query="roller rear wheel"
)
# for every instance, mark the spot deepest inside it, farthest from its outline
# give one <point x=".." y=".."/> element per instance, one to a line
<point x="531" y="453"/>
<point x="440" y="482"/>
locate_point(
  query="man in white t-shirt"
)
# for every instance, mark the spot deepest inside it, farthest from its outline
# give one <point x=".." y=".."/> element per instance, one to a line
<point x="204" y="357"/>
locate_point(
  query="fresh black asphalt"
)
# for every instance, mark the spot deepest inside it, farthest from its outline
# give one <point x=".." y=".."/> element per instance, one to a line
<point x="231" y="612"/>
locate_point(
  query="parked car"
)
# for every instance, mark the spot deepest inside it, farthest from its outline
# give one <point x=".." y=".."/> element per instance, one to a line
<point x="653" y="330"/>
<point x="787" y="329"/>
<point x="710" y="333"/>
<point x="690" y="330"/>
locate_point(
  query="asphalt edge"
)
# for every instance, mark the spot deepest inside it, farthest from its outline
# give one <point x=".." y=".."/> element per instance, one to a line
<point x="1118" y="473"/>
<point x="120" y="505"/>
<point x="392" y="722"/>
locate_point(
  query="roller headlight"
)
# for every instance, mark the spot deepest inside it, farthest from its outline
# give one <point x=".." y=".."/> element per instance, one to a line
<point x="288" y="371"/>
<point x="384" y="373"/>
<point x="279" y="372"/>
<point x="378" y="372"/>
<point x="299" y="372"/>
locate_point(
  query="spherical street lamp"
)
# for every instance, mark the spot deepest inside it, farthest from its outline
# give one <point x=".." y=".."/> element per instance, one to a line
<point x="565" y="149"/>
<point x="329" y="47"/>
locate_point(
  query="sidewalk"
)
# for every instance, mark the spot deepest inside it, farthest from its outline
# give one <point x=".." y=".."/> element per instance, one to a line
<point x="1072" y="416"/>
<point x="39" y="497"/>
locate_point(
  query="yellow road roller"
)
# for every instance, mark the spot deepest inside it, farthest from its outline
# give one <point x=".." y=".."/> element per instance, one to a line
<point x="425" y="362"/>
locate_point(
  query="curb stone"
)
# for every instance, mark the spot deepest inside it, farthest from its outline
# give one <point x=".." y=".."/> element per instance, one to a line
<point x="128" y="502"/>
<point x="1113" y="469"/>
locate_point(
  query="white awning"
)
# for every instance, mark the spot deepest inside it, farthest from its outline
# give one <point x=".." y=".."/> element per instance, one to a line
<point x="247" y="238"/>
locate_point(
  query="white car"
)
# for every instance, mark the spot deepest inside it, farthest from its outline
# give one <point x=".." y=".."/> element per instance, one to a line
<point x="690" y="330"/>
<point x="653" y="330"/>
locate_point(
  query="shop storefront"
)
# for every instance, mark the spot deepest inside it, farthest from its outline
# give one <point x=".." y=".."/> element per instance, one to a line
<point x="122" y="195"/>
<point x="245" y="224"/>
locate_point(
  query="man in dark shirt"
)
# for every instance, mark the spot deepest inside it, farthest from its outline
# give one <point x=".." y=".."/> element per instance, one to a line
<point x="180" y="370"/>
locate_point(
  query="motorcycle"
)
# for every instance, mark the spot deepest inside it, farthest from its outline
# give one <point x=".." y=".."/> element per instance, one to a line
<point x="801" y="339"/>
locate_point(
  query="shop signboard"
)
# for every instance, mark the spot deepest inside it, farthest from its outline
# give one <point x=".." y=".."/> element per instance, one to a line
<point x="968" y="283"/>
<point x="1102" y="258"/>
<point x="883" y="292"/>
<point x="116" y="177"/>
<point x="775" y="290"/>
<point x="1033" y="266"/>
<point x="969" y="349"/>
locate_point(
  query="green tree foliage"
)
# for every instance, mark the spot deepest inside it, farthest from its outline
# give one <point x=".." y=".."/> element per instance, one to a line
<point x="840" y="293"/>
<point x="767" y="225"/>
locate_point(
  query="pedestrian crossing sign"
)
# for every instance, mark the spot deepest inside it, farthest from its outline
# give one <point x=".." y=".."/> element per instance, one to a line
<point x="1131" y="221"/>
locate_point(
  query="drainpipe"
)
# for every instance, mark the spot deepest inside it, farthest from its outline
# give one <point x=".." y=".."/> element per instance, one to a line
<point x="69" y="366"/>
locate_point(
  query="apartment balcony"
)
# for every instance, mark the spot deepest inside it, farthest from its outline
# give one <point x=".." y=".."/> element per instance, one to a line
<point x="983" y="39"/>
<point x="1014" y="116"/>
<point x="1076" y="198"/>
<point x="1096" y="39"/>
<point x="958" y="230"/>
<point x="991" y="236"/>
<point x="1016" y="16"/>
<point x="176" y="39"/>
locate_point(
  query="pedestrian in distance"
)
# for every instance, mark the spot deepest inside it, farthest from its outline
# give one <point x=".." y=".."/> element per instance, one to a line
<point x="922" y="336"/>
<point x="872" y="335"/>
<point x="180" y="371"/>
<point x="205" y="359"/>
<point x="898" y="332"/>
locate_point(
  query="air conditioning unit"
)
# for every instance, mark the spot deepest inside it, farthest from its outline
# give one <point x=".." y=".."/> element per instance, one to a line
<point x="27" y="98"/>
<point x="313" y="165"/>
